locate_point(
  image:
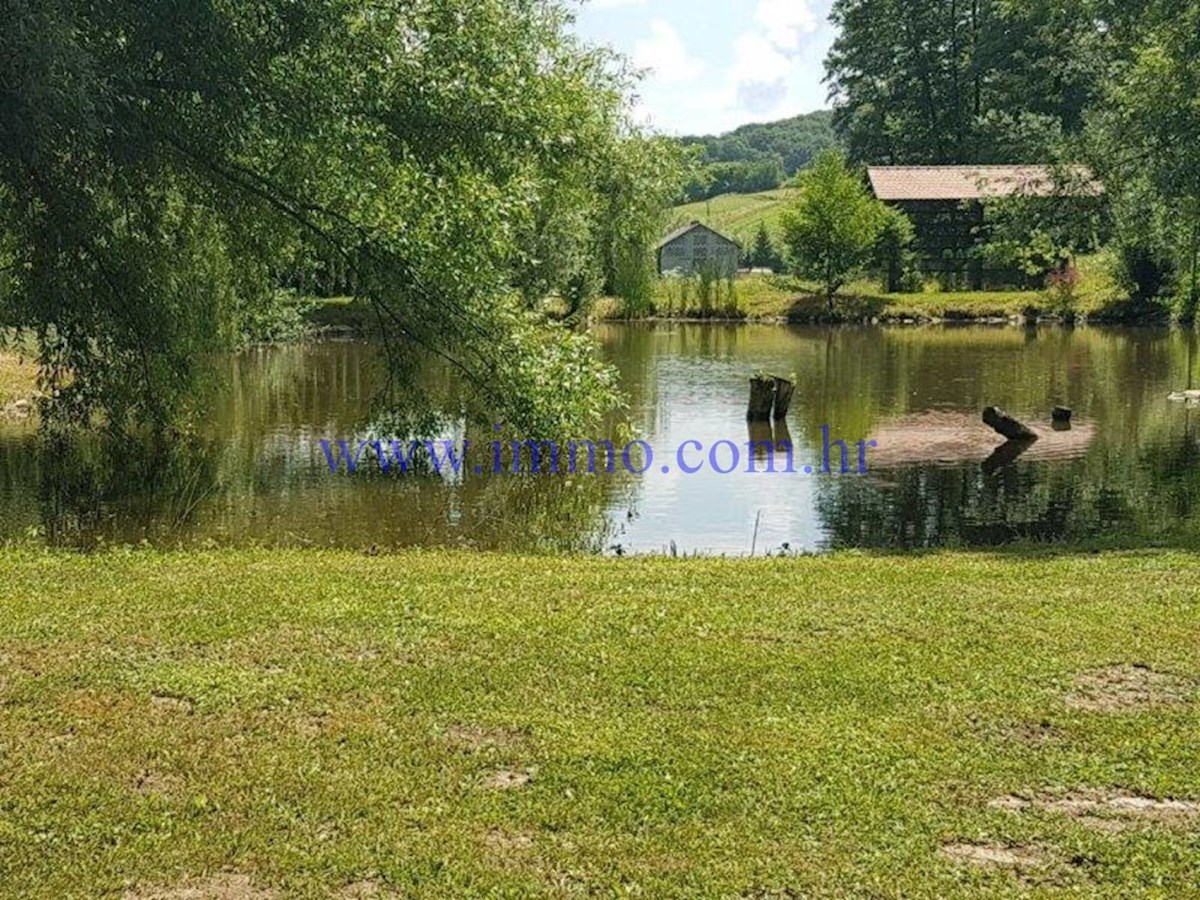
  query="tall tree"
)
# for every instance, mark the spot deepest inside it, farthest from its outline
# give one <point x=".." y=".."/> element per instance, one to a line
<point x="961" y="81"/>
<point x="1146" y="139"/>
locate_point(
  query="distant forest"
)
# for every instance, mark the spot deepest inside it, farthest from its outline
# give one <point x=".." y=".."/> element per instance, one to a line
<point x="759" y="157"/>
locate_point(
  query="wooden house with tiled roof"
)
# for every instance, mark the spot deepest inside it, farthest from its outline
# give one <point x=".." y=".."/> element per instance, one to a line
<point x="947" y="207"/>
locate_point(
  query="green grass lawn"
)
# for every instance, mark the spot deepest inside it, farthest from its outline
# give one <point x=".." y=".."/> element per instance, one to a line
<point x="278" y="724"/>
<point x="767" y="297"/>
<point x="786" y="297"/>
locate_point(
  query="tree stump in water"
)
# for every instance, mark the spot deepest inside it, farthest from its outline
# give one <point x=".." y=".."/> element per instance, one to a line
<point x="1001" y="422"/>
<point x="1061" y="414"/>
<point x="784" y="390"/>
<point x="762" y="398"/>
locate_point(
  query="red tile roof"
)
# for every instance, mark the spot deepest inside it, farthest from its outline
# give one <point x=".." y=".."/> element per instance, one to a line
<point x="977" y="182"/>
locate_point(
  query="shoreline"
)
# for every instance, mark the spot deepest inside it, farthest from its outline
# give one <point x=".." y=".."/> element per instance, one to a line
<point x="347" y="321"/>
<point x="897" y="321"/>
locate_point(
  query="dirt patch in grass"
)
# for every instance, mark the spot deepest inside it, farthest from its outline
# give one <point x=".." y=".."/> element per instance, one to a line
<point x="150" y="784"/>
<point x="1015" y="731"/>
<point x="507" y="779"/>
<point x="1127" y="688"/>
<point x="476" y="738"/>
<point x="275" y="651"/>
<point x="225" y="886"/>
<point x="1107" y="811"/>
<point x="363" y="654"/>
<point x="312" y="725"/>
<point x="995" y="855"/>
<point x="505" y="845"/>
<point x="88" y="705"/>
<point x="171" y="705"/>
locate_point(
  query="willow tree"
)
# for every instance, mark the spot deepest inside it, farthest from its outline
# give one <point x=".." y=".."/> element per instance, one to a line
<point x="161" y="163"/>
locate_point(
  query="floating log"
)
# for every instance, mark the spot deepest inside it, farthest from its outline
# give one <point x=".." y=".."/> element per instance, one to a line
<point x="1061" y="414"/>
<point x="784" y="390"/>
<point x="762" y="398"/>
<point x="1004" y="424"/>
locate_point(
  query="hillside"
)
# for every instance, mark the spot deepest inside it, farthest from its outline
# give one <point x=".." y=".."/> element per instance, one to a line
<point x="793" y="141"/>
<point x="758" y="157"/>
<point x="736" y="215"/>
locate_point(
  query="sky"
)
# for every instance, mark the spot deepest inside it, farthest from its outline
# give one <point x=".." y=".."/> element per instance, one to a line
<point x="713" y="65"/>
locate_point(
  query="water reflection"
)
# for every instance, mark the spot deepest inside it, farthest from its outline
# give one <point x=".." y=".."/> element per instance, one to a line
<point x="1125" y="471"/>
<point x="258" y="475"/>
<point x="255" y="473"/>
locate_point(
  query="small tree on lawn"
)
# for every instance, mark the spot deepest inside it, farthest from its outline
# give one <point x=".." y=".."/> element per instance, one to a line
<point x="763" y="254"/>
<point x="831" y="229"/>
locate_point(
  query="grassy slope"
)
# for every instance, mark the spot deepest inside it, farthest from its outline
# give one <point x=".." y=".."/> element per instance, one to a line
<point x="694" y="728"/>
<point x="736" y="215"/>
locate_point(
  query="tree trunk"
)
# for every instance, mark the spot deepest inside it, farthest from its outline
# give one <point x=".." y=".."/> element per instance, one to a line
<point x="784" y="390"/>
<point x="762" y="398"/>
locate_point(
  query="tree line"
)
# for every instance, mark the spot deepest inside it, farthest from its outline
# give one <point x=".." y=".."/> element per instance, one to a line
<point x="757" y="157"/>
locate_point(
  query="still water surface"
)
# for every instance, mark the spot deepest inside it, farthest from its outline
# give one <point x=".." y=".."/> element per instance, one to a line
<point x="1127" y="471"/>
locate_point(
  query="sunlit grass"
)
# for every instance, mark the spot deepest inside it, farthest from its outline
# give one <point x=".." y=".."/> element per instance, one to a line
<point x="443" y="724"/>
<point x="18" y="378"/>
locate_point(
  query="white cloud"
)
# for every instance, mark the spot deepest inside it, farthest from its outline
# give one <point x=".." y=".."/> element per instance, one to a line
<point x="755" y="58"/>
<point x="768" y="58"/>
<point x="784" y="22"/>
<point x="665" y="55"/>
<point x="712" y="66"/>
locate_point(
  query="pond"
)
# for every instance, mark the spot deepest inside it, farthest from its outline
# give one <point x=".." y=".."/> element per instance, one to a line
<point x="1126" y="472"/>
